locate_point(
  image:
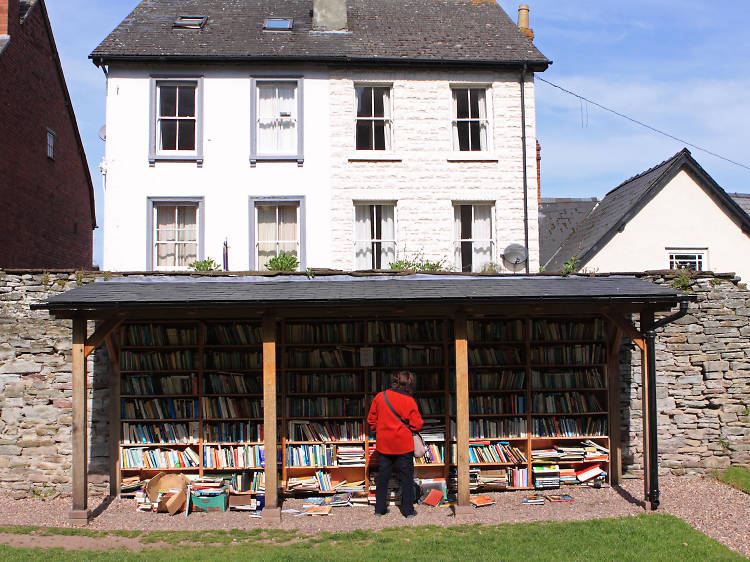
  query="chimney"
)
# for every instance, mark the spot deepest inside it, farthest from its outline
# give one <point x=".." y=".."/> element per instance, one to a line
<point x="538" y="173"/>
<point x="328" y="15"/>
<point x="523" y="21"/>
<point x="8" y="16"/>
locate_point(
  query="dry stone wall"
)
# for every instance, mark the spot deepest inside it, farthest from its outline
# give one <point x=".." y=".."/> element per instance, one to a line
<point x="703" y="389"/>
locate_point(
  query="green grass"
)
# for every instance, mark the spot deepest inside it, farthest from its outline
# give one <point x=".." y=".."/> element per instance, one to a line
<point x="736" y="476"/>
<point x="645" y="537"/>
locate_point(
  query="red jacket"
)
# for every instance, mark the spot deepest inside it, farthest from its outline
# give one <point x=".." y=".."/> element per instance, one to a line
<point x="392" y="436"/>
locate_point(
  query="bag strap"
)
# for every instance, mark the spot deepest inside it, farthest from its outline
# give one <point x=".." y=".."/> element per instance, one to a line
<point x="385" y="397"/>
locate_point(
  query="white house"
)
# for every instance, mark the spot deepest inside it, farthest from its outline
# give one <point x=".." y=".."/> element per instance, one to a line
<point x="350" y="133"/>
<point x="671" y="216"/>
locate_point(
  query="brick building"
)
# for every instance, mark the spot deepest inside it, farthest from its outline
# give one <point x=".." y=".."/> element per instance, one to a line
<point x="47" y="212"/>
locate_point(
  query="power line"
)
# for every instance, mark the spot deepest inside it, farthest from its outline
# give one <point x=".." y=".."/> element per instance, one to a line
<point x="642" y="124"/>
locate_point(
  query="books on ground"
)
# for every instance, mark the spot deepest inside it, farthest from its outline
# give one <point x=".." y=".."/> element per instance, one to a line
<point x="533" y="499"/>
<point x="554" y="498"/>
<point x="481" y="501"/>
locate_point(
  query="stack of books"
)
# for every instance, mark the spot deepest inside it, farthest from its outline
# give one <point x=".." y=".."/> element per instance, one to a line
<point x="493" y="478"/>
<point x="302" y="484"/>
<point x="546" y="476"/>
<point x="350" y="455"/>
<point x="568" y="476"/>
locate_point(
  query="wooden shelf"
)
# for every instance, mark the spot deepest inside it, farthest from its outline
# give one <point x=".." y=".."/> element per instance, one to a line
<point x="156" y="445"/>
<point x="187" y="469"/>
<point x="568" y="414"/>
<point x="150" y="396"/>
<point x="158" y="420"/>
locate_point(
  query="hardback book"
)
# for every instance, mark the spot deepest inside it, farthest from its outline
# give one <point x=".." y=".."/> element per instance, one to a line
<point x="319" y="510"/>
<point x="433" y="498"/>
<point x="588" y="473"/>
<point x="533" y="499"/>
<point x="560" y="498"/>
<point x="481" y="501"/>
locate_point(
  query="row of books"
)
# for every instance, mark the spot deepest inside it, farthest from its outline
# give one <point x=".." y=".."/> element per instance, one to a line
<point x="232" y="383"/>
<point x="158" y="408"/>
<point x="569" y="354"/>
<point x="431" y="405"/>
<point x="408" y="355"/>
<point x="585" y="451"/>
<point x="495" y="428"/>
<point x="224" y="407"/>
<point x="180" y="360"/>
<point x="249" y="481"/>
<point x="380" y="380"/>
<point x="133" y="433"/>
<point x="315" y="383"/>
<point x="158" y="335"/>
<point x="576" y="378"/>
<point x="498" y="330"/>
<point x="233" y="360"/>
<point x="240" y="456"/>
<point x="304" y="430"/>
<point x="555" y="330"/>
<point x="569" y="427"/>
<point x="494" y="404"/>
<point x="501" y="380"/>
<point x="234" y="432"/>
<point x="234" y="334"/>
<point x="490" y="356"/>
<point x="321" y="358"/>
<point x="150" y="385"/>
<point x="394" y="332"/>
<point x="324" y="407"/>
<point x="566" y="402"/>
<point x="325" y="455"/>
<point x="142" y="457"/>
<point x="493" y="452"/>
<point x="330" y="332"/>
<point x="435" y="454"/>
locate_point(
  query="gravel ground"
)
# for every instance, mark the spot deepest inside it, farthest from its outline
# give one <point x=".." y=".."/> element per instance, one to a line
<point x="708" y="505"/>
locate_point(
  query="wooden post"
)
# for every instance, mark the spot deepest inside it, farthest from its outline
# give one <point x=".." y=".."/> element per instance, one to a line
<point x="647" y="320"/>
<point x="614" y="388"/>
<point x="462" y="415"/>
<point x="80" y="512"/>
<point x="271" y="510"/>
<point x="114" y="416"/>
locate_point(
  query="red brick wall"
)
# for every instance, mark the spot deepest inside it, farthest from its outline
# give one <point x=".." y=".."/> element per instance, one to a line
<point x="45" y="213"/>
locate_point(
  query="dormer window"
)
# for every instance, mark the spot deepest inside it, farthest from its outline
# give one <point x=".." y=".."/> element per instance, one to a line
<point x="190" y="22"/>
<point x="277" y="24"/>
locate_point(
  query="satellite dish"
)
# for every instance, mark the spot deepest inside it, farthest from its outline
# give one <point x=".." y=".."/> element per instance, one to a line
<point x="103" y="132"/>
<point x="515" y="254"/>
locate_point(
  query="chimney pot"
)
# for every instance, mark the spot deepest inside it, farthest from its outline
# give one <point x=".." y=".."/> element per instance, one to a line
<point x="523" y="21"/>
<point x="328" y="15"/>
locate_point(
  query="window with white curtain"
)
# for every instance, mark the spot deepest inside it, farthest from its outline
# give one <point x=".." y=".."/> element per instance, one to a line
<point x="175" y="236"/>
<point x="373" y="118"/>
<point x="277" y="230"/>
<point x="473" y="240"/>
<point x="374" y="235"/>
<point x="277" y="118"/>
<point x="470" y="119"/>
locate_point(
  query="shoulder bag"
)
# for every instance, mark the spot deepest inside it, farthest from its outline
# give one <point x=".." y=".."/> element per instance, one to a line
<point x="420" y="449"/>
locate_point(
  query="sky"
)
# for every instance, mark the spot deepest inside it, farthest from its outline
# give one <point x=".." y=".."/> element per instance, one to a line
<point x="679" y="66"/>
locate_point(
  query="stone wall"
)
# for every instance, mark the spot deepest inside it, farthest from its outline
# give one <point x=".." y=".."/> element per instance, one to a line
<point x="703" y="390"/>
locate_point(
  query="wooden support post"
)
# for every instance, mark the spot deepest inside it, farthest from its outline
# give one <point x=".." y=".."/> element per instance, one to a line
<point x="114" y="415"/>
<point x="647" y="320"/>
<point x="615" y="386"/>
<point x="462" y="415"/>
<point x="271" y="511"/>
<point x="80" y="512"/>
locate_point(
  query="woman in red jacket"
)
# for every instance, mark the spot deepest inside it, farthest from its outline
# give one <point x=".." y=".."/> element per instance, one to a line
<point x="394" y="441"/>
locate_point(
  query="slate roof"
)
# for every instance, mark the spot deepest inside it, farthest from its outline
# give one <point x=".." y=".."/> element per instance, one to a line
<point x="295" y="292"/>
<point x="557" y="218"/>
<point x="743" y="200"/>
<point x="626" y="200"/>
<point x="464" y="31"/>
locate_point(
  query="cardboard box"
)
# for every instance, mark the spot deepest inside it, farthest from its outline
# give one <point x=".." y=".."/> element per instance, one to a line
<point x="164" y="482"/>
<point x="208" y="503"/>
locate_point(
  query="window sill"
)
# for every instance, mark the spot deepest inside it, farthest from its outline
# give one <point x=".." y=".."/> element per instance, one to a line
<point x="469" y="156"/>
<point x="154" y="158"/>
<point x="374" y="156"/>
<point x="298" y="158"/>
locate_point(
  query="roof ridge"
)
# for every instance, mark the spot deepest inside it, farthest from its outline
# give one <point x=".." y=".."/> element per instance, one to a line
<point x="682" y="152"/>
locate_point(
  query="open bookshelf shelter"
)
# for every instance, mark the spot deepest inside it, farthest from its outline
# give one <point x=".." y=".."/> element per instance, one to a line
<point x="270" y="381"/>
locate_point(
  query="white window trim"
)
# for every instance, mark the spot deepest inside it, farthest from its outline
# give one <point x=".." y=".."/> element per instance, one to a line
<point x="372" y="154"/>
<point x="299" y="200"/>
<point x="355" y="204"/>
<point x="299" y="155"/>
<point x="154" y="154"/>
<point x="493" y="222"/>
<point x="151" y="204"/>
<point x="486" y="155"/>
<point x="698" y="251"/>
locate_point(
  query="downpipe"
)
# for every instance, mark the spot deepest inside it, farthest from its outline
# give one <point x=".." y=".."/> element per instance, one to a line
<point x="653" y="450"/>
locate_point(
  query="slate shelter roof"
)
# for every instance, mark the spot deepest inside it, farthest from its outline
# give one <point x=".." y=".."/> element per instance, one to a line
<point x="743" y="200"/>
<point x="431" y="31"/>
<point x="626" y="200"/>
<point x="218" y="292"/>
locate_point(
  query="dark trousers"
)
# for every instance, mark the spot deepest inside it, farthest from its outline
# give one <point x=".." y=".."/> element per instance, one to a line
<point x="405" y="464"/>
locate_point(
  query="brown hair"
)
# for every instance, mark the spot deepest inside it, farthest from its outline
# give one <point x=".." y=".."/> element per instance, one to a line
<point x="404" y="381"/>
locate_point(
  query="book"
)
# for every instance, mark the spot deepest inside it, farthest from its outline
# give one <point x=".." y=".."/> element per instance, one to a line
<point x="433" y="498"/>
<point x="533" y="499"/>
<point x="481" y="501"/>
<point x="588" y="473"/>
<point x="319" y="510"/>
<point x="560" y="498"/>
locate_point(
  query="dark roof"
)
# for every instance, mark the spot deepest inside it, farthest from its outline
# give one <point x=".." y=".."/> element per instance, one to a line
<point x="464" y="31"/>
<point x="743" y="200"/>
<point x="626" y="200"/>
<point x="295" y="292"/>
<point x="557" y="218"/>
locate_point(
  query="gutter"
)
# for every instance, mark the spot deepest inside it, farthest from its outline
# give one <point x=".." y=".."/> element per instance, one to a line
<point x="653" y="449"/>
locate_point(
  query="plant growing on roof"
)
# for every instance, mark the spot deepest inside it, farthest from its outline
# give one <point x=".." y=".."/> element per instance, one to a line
<point x="682" y="280"/>
<point x="571" y="266"/>
<point x="418" y="263"/>
<point x="283" y="262"/>
<point x="204" y="265"/>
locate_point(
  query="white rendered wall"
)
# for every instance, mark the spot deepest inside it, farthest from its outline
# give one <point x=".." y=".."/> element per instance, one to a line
<point x="424" y="181"/>
<point x="681" y="215"/>
<point x="226" y="180"/>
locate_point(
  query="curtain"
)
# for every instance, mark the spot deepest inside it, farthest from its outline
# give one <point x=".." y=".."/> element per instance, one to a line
<point x="482" y="233"/>
<point x="388" y="235"/>
<point x="457" y="235"/>
<point x="456" y="142"/>
<point x="266" y="234"/>
<point x="388" y="119"/>
<point x="266" y="118"/>
<point x="288" y="229"/>
<point x="362" y="233"/>
<point x="287" y="124"/>
<point x="481" y="100"/>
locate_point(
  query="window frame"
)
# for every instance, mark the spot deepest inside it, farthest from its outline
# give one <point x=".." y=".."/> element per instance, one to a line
<point x="51" y="137"/>
<point x="387" y="120"/>
<point x="154" y="154"/>
<point x="255" y="156"/>
<point x="487" y="121"/>
<point x="151" y="204"/>
<point x="373" y="241"/>
<point x="254" y="202"/>
<point x="458" y="242"/>
<point x="701" y="255"/>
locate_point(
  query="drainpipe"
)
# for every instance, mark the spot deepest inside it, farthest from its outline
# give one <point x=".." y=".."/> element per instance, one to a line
<point x="653" y="449"/>
<point x="525" y="175"/>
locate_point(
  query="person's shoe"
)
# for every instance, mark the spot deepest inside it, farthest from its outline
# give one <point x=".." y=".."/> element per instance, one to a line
<point x="380" y="514"/>
<point x="410" y="515"/>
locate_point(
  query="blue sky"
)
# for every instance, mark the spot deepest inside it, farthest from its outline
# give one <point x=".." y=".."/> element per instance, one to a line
<point x="678" y="65"/>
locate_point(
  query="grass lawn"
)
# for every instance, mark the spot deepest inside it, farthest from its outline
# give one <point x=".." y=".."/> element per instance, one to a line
<point x="644" y="537"/>
<point x="737" y="476"/>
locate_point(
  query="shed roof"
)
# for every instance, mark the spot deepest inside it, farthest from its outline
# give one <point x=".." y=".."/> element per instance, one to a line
<point x="464" y="31"/>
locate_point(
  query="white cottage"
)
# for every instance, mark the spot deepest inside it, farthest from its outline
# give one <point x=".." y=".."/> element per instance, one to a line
<point x="350" y="133"/>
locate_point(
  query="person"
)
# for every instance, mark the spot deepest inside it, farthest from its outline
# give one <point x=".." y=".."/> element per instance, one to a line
<point x="393" y="439"/>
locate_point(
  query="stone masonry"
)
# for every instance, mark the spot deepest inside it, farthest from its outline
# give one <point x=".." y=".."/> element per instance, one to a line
<point x="703" y="364"/>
